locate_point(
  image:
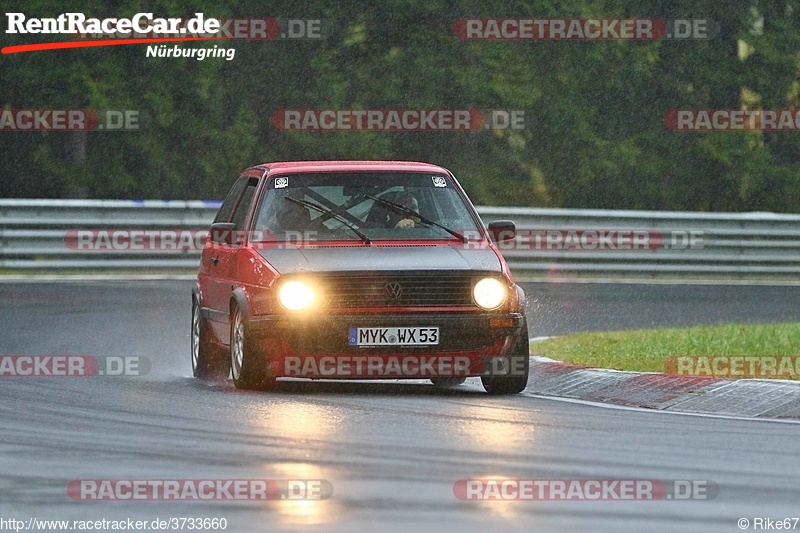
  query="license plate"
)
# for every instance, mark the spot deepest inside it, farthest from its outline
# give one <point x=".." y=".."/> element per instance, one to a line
<point x="394" y="336"/>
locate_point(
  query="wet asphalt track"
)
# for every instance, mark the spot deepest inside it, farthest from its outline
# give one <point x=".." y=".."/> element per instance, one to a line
<point x="392" y="451"/>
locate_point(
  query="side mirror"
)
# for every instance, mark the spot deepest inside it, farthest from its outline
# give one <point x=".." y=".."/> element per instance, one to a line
<point x="222" y="233"/>
<point x="502" y="230"/>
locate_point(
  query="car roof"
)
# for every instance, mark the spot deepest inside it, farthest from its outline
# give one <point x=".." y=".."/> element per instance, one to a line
<point x="349" y="166"/>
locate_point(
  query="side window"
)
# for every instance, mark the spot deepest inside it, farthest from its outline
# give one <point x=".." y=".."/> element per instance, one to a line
<point x="225" y="210"/>
<point x="240" y="212"/>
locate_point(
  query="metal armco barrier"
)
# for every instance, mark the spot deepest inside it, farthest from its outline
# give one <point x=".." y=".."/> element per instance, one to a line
<point x="33" y="237"/>
<point x="727" y="245"/>
<point x="33" y="233"/>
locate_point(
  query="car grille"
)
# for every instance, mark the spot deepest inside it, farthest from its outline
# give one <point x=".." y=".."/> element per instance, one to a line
<point x="417" y="289"/>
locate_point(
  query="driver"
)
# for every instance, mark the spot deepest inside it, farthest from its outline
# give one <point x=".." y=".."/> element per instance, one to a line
<point x="289" y="216"/>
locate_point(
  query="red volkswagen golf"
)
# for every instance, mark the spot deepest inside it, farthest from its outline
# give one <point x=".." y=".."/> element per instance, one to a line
<point x="356" y="270"/>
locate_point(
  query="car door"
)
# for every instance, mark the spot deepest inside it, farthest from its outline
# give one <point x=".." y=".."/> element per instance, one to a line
<point x="212" y="287"/>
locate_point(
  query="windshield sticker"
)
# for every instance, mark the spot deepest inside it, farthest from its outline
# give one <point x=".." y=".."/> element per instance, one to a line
<point x="439" y="181"/>
<point x="280" y="183"/>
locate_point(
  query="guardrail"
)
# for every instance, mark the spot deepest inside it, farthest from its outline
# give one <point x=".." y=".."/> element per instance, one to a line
<point x="730" y="245"/>
<point x="33" y="233"/>
<point x="33" y="236"/>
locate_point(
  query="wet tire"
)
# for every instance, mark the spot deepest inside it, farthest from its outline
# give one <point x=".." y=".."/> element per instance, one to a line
<point x="518" y="361"/>
<point x="209" y="362"/>
<point x="247" y="369"/>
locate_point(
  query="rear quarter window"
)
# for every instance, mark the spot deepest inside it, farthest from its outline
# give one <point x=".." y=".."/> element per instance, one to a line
<point x="226" y="209"/>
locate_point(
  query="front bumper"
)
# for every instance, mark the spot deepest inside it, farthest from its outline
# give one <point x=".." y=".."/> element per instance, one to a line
<point x="314" y="346"/>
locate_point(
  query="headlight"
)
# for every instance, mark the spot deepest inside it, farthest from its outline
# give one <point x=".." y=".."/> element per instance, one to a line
<point x="489" y="293"/>
<point x="296" y="295"/>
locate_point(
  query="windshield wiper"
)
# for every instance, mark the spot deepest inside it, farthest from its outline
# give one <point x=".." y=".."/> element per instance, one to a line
<point x="414" y="215"/>
<point x="331" y="214"/>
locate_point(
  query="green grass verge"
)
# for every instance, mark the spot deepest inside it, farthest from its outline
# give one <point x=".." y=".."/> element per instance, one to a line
<point x="646" y="350"/>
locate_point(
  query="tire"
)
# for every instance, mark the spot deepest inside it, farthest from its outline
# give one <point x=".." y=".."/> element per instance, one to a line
<point x="446" y="383"/>
<point x="247" y="369"/>
<point x="518" y="357"/>
<point x="209" y="362"/>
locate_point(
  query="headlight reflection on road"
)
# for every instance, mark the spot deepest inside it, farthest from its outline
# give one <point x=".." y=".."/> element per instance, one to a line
<point x="295" y="420"/>
<point x="305" y="428"/>
<point x="302" y="511"/>
<point x="492" y="428"/>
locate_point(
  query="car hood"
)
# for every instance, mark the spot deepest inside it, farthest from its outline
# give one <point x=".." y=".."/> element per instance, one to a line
<point x="288" y="260"/>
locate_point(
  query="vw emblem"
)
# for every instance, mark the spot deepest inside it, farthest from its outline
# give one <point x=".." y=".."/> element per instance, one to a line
<point x="393" y="290"/>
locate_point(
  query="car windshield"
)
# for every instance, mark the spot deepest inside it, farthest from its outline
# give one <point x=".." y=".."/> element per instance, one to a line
<point x="362" y="206"/>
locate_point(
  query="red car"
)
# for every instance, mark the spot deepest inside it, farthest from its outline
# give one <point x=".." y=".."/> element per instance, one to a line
<point x="356" y="270"/>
